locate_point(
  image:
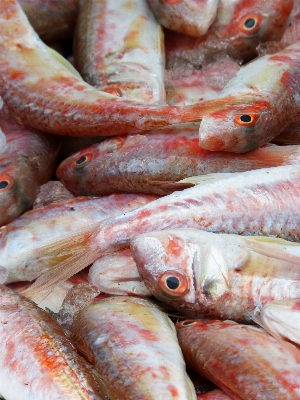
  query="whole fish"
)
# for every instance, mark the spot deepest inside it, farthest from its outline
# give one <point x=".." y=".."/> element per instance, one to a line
<point x="133" y="345"/>
<point x="153" y="163"/>
<point x="43" y="90"/>
<point x="260" y="202"/>
<point x="273" y="81"/>
<point x="191" y="17"/>
<point x="28" y="161"/>
<point x="117" y="273"/>
<point x="218" y="275"/>
<point x="26" y="249"/>
<point x="239" y="27"/>
<point x="281" y="318"/>
<point x="37" y="360"/>
<point x="244" y="361"/>
<point x="52" y="19"/>
<point x="120" y="50"/>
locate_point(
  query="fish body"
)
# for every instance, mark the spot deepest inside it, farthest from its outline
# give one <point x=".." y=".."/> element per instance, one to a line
<point x="239" y="27"/>
<point x="120" y="50"/>
<point x="37" y="360"/>
<point x="43" y="90"/>
<point x="51" y="19"/>
<point x="117" y="273"/>
<point x="29" y="238"/>
<point x="28" y="161"/>
<point x="153" y="163"/>
<point x="260" y="202"/>
<point x="218" y="275"/>
<point x="273" y="82"/>
<point x="191" y="17"/>
<point x="244" y="361"/>
<point x="134" y="347"/>
<point x="281" y="318"/>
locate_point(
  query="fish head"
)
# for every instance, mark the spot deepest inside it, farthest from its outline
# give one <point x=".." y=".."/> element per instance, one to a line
<point x="178" y="270"/>
<point x="243" y="24"/>
<point x="238" y="128"/>
<point x="74" y="171"/>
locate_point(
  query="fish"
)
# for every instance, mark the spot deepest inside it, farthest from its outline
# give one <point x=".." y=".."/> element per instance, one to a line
<point x="120" y="50"/>
<point x="157" y="161"/>
<point x="51" y="19"/>
<point x="273" y="80"/>
<point x="221" y="276"/>
<point x="30" y="237"/>
<point x="242" y="360"/>
<point x="117" y="274"/>
<point x="260" y="202"/>
<point x="281" y="319"/>
<point x="239" y="27"/>
<point x="37" y="360"/>
<point x="191" y="17"/>
<point x="43" y="90"/>
<point x="215" y="394"/>
<point x="28" y="161"/>
<point x="133" y="346"/>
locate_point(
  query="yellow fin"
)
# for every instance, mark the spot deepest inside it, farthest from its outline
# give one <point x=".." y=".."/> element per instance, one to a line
<point x="64" y="62"/>
<point x="201" y="179"/>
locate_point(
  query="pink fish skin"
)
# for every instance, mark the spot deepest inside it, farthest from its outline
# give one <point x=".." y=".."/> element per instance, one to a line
<point x="133" y="346"/>
<point x="44" y="91"/>
<point x="28" y="162"/>
<point x="260" y="202"/>
<point x="191" y="17"/>
<point x="237" y="30"/>
<point x="244" y="361"/>
<point x="37" y="360"/>
<point x="35" y="237"/>
<point x="272" y="80"/>
<point x="120" y="50"/>
<point x="52" y="19"/>
<point x="153" y="163"/>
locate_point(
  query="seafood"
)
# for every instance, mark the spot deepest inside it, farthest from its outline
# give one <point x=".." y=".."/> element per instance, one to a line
<point x="217" y="275"/>
<point x="260" y="202"/>
<point x="119" y="50"/>
<point x="237" y="30"/>
<point x="42" y="90"/>
<point x="244" y="361"/>
<point x="191" y="17"/>
<point x="117" y="273"/>
<point x="52" y="19"/>
<point x="281" y="318"/>
<point x="30" y="237"/>
<point x="28" y="161"/>
<point x="134" y="347"/>
<point x="216" y="394"/>
<point x="153" y="163"/>
<point x="273" y="81"/>
<point x="37" y="360"/>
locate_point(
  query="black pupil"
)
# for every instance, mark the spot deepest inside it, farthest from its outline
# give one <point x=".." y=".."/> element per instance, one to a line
<point x="172" y="282"/>
<point x="81" y="160"/>
<point x="249" y="23"/>
<point x="3" y="184"/>
<point x="245" y="118"/>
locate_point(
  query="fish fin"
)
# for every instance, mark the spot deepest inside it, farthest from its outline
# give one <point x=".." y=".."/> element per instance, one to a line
<point x="168" y="187"/>
<point x="64" y="62"/>
<point x="201" y="179"/>
<point x="262" y="245"/>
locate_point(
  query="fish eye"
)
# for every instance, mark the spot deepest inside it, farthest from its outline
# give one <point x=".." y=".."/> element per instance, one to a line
<point x="83" y="160"/>
<point x="6" y="183"/>
<point x="250" y="24"/>
<point x="174" y="283"/>
<point x="246" y="119"/>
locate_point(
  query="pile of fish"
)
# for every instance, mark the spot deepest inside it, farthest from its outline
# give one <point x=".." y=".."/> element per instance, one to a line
<point x="149" y="199"/>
